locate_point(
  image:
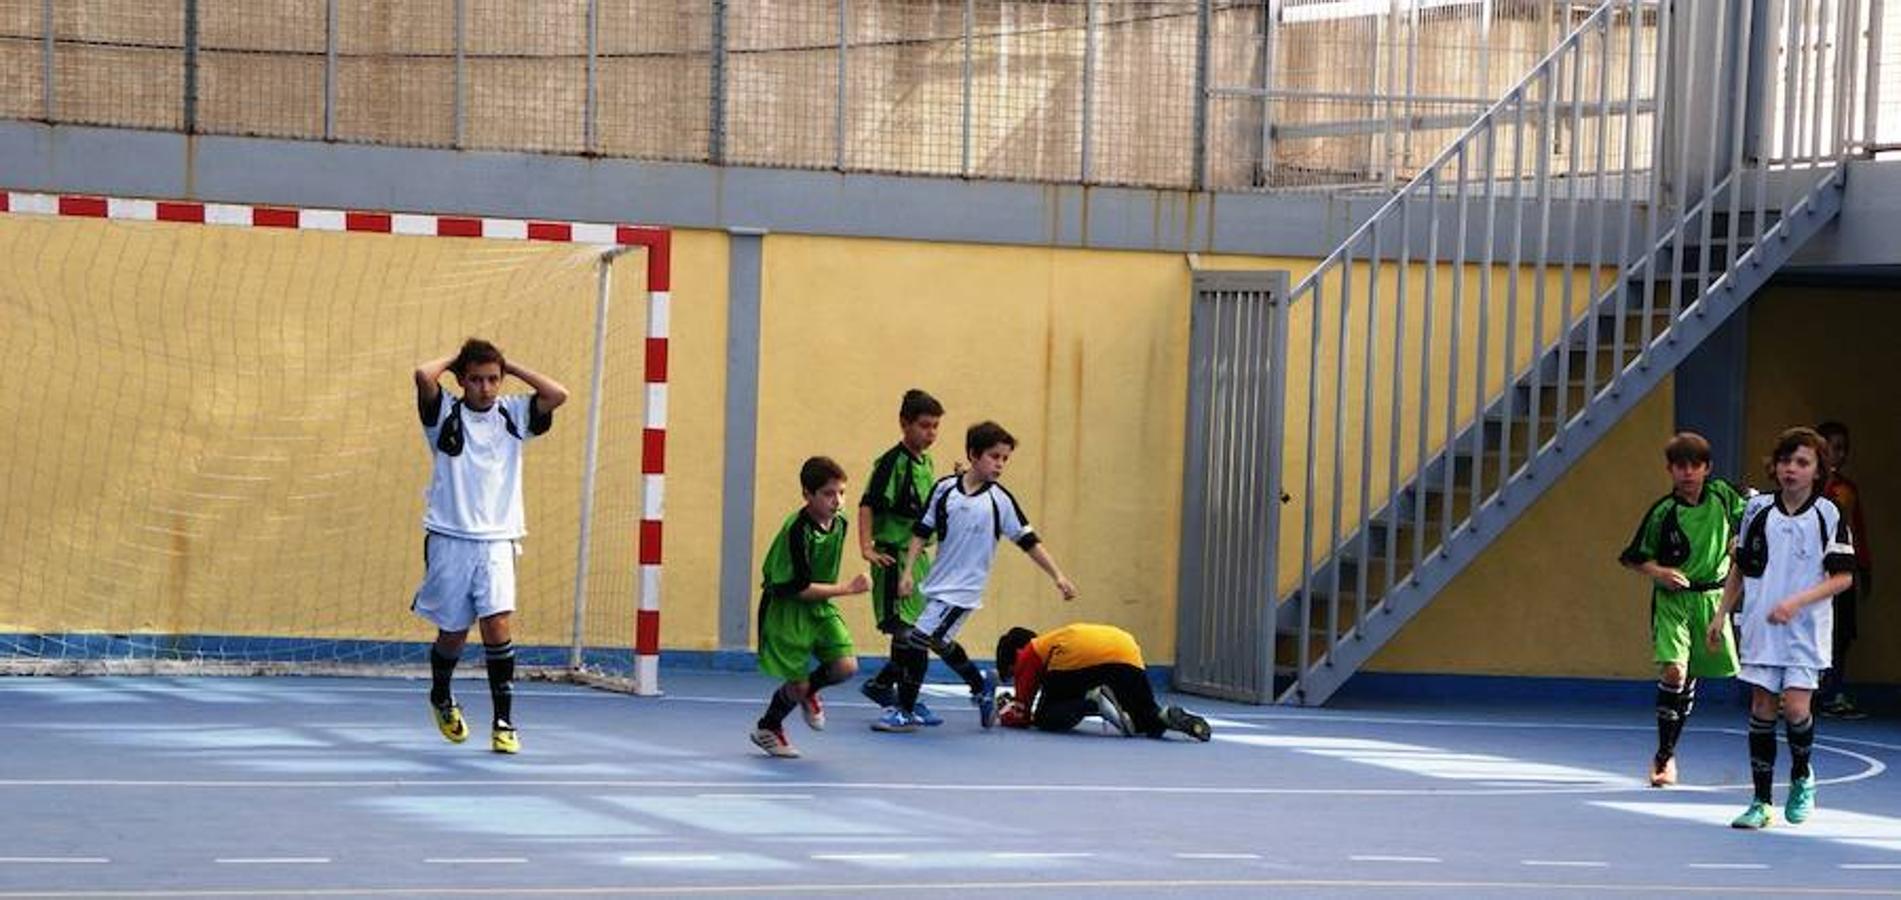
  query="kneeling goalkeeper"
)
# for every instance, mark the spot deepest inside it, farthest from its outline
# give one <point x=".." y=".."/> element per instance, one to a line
<point x="1080" y="670"/>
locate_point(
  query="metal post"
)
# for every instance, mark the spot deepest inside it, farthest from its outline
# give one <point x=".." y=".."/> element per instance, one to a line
<point x="601" y="301"/>
<point x="590" y="127"/>
<point x="1204" y="20"/>
<point x="1270" y="33"/>
<point x="330" y="70"/>
<point x="46" y="58"/>
<point x="970" y="24"/>
<point x="191" y="66"/>
<point x="1091" y="21"/>
<point x="844" y="49"/>
<point x="1871" y="119"/>
<point x="461" y="67"/>
<point x="716" y="90"/>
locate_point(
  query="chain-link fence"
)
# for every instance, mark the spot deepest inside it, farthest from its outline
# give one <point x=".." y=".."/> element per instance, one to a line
<point x="1217" y="94"/>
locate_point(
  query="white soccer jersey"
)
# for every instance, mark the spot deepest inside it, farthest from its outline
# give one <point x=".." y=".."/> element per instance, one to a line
<point x="968" y="527"/>
<point x="477" y="494"/>
<point x="1782" y="553"/>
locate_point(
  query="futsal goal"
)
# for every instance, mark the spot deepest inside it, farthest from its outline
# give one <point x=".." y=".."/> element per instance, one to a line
<point x="212" y="457"/>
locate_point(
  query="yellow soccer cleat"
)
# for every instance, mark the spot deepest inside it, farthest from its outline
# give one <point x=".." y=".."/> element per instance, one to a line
<point x="505" y="740"/>
<point x="449" y="721"/>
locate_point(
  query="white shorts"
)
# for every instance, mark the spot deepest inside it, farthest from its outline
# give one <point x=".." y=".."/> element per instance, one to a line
<point x="1776" y="679"/>
<point x="941" y="621"/>
<point x="465" y="580"/>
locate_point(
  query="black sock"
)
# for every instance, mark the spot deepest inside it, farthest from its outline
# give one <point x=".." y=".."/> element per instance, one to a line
<point x="1801" y="745"/>
<point x="1673" y="712"/>
<point x="959" y="661"/>
<point x="890" y="674"/>
<point x="1669" y="721"/>
<point x="821" y="677"/>
<point x="780" y="707"/>
<point x="501" y="675"/>
<point x="915" y="662"/>
<point x="441" y="670"/>
<point x="1762" y="756"/>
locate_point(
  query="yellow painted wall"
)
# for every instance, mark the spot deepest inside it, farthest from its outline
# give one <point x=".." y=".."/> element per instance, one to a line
<point x="1081" y="354"/>
<point x="1825" y="353"/>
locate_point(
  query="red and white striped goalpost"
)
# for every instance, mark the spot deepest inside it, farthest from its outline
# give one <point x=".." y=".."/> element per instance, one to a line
<point x="656" y="242"/>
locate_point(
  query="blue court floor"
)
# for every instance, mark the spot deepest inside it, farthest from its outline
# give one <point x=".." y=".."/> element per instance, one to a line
<point x="147" y="787"/>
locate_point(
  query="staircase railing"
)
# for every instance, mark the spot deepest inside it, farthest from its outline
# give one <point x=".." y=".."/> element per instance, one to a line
<point x="1472" y="327"/>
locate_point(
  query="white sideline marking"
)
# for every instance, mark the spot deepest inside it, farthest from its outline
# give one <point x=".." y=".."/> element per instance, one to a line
<point x="1395" y="859"/>
<point x="754" y="796"/>
<point x="1729" y="865"/>
<point x="1879" y="867"/>
<point x="475" y="860"/>
<point x="272" y="860"/>
<point x="1217" y="856"/>
<point x="1567" y="863"/>
<point x="50" y="860"/>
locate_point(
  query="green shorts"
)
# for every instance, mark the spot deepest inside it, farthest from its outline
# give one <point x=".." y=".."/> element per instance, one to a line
<point x="1678" y="621"/>
<point x="890" y="617"/>
<point x="791" y="631"/>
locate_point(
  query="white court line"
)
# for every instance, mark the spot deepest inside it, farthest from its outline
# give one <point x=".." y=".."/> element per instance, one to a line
<point x="1031" y="855"/>
<point x="1879" y="867"/>
<point x="1217" y="856"/>
<point x="1566" y="863"/>
<point x="860" y="857"/>
<point x="1395" y="859"/>
<point x="1444" y="886"/>
<point x="272" y="860"/>
<point x="754" y="796"/>
<point x="475" y="860"/>
<point x="51" y="860"/>
<point x="1728" y="865"/>
<point x="1637" y="786"/>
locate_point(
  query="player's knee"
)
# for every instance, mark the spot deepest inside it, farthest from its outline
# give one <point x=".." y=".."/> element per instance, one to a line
<point x="1673" y="675"/>
<point x="844" y="667"/>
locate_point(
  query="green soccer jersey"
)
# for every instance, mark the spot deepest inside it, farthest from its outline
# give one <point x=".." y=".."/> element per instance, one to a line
<point x="896" y="491"/>
<point x="1691" y="538"/>
<point x="790" y="629"/>
<point x="802" y="555"/>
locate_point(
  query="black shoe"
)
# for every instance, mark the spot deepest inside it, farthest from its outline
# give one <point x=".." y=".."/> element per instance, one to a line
<point x="1178" y="719"/>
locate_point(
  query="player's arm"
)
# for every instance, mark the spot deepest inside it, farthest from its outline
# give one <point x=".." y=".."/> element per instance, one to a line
<point x="1816" y="593"/>
<point x="429" y="385"/>
<point x="859" y="584"/>
<point x="866" y="548"/>
<point x="1640" y="556"/>
<point x="1040" y="554"/>
<point x="1028" y="671"/>
<point x="1719" y="623"/>
<point x="549" y="394"/>
<point x="911" y="551"/>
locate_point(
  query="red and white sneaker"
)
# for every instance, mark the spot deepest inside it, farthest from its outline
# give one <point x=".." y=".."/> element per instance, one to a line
<point x="772" y="740"/>
<point x="814" y="711"/>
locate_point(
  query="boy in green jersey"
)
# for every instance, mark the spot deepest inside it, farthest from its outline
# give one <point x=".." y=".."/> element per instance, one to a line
<point x="1682" y="545"/>
<point x="797" y="620"/>
<point x="900" y="482"/>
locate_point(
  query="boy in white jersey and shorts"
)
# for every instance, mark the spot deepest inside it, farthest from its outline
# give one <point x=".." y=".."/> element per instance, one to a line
<point x="969" y="513"/>
<point x="474" y="520"/>
<point x="1793" y="554"/>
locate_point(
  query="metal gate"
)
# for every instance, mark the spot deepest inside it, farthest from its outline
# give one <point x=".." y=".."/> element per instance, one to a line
<point x="1231" y="485"/>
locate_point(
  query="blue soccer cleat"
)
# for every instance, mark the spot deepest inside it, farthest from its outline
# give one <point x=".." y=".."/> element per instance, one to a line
<point x="924" y="716"/>
<point x="986" y="700"/>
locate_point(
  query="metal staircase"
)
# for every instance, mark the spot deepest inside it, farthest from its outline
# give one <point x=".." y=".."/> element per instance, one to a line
<point x="1468" y="343"/>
